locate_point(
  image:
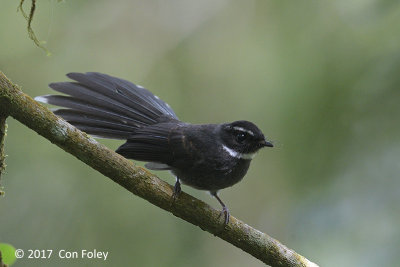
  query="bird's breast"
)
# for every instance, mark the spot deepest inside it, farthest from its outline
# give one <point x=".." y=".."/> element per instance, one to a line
<point x="213" y="177"/>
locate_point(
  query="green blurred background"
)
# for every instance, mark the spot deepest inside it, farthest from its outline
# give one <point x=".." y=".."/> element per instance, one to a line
<point x="320" y="78"/>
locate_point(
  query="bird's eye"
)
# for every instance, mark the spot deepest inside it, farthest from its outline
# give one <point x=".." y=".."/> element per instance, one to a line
<point x="240" y="137"/>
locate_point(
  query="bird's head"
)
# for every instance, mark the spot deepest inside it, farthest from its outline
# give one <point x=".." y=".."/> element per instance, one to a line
<point x="242" y="139"/>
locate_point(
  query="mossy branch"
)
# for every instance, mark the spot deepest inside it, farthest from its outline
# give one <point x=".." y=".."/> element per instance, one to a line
<point x="141" y="182"/>
<point x="3" y="133"/>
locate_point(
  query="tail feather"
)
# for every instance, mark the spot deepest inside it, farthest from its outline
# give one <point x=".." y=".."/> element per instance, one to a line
<point x="102" y="132"/>
<point x="77" y="117"/>
<point x="106" y="106"/>
<point x="102" y="98"/>
<point x="84" y="107"/>
<point x="123" y="92"/>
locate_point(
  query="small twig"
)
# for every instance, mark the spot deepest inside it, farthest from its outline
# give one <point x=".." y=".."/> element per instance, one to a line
<point x="29" y="19"/>
<point x="141" y="182"/>
<point x="21" y="8"/>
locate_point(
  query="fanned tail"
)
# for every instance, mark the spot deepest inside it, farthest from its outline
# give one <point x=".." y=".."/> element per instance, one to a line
<point x="105" y="106"/>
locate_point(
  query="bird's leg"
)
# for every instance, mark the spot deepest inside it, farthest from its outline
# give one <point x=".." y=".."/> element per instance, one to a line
<point x="177" y="189"/>
<point x="225" y="210"/>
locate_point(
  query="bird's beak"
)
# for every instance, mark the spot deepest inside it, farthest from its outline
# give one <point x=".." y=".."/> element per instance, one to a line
<point x="266" y="143"/>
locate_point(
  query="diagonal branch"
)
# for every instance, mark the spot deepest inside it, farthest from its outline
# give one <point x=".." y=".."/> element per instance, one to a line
<point x="3" y="133"/>
<point x="141" y="182"/>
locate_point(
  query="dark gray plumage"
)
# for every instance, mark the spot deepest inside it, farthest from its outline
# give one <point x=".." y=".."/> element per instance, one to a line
<point x="207" y="157"/>
<point x="105" y="106"/>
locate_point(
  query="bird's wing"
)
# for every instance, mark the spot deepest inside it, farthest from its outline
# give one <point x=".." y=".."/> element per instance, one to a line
<point x="160" y="143"/>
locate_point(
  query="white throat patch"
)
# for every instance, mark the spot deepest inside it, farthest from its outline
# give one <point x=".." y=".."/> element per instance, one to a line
<point x="238" y="155"/>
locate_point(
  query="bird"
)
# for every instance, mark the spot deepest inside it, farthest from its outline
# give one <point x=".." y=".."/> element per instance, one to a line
<point x="207" y="157"/>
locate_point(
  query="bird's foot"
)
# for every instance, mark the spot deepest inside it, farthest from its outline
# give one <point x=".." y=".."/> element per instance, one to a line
<point x="226" y="214"/>
<point x="177" y="190"/>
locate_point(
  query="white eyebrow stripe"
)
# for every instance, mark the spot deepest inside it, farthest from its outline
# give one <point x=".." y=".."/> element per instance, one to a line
<point x="243" y="130"/>
<point x="238" y="155"/>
